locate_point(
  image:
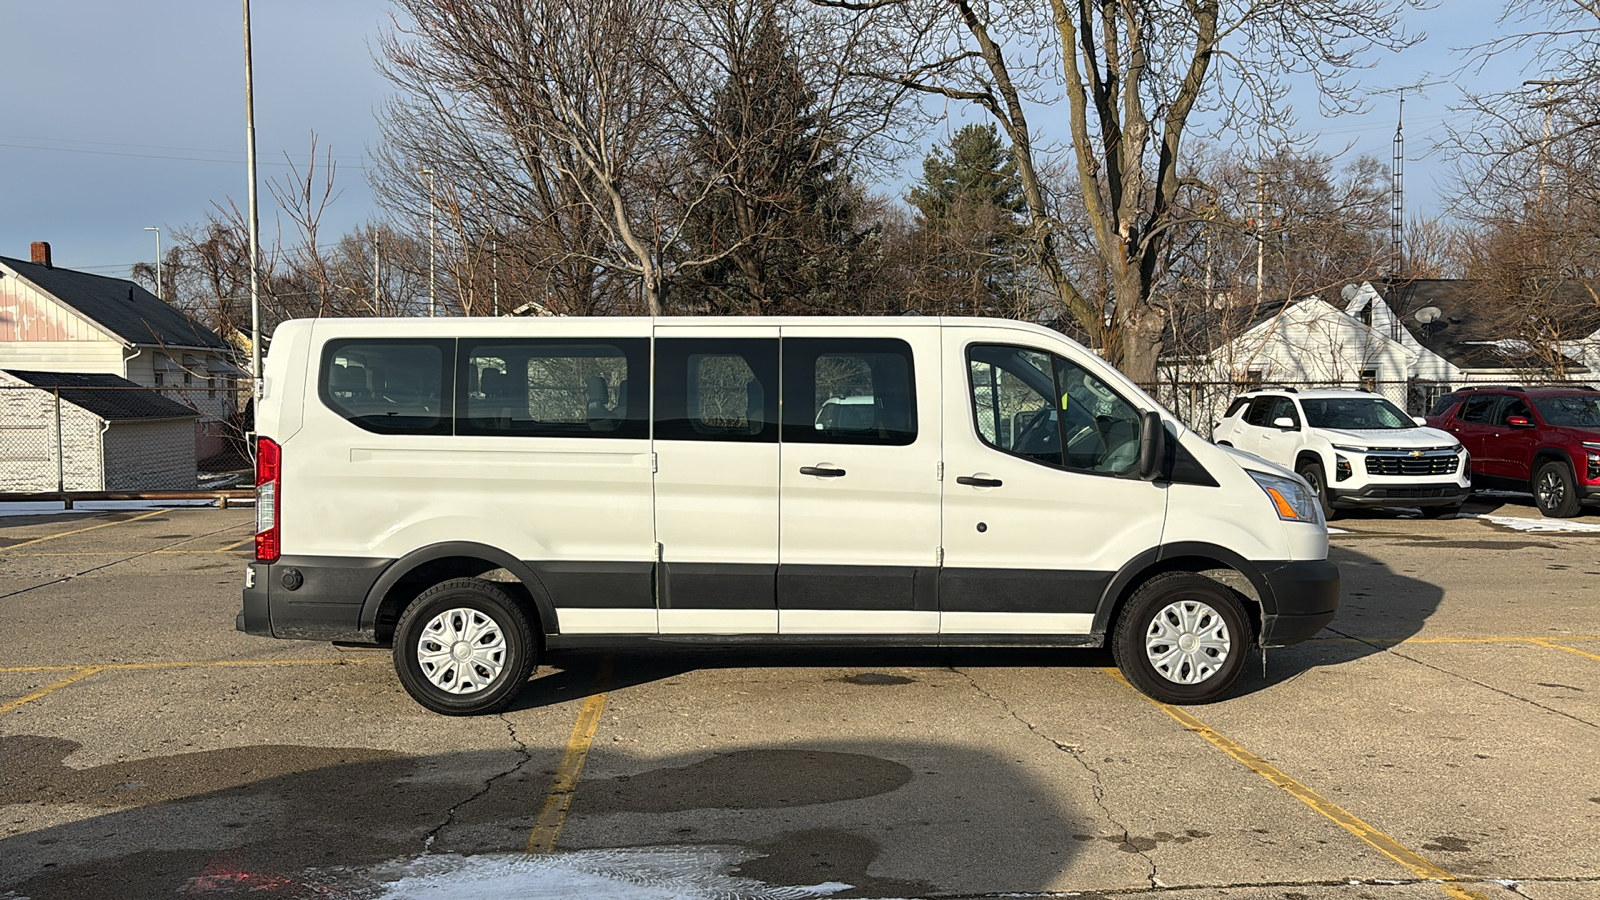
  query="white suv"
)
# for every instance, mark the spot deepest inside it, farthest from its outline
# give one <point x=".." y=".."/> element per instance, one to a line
<point x="1353" y="448"/>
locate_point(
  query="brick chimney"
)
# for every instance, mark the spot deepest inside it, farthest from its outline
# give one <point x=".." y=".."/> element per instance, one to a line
<point x="41" y="253"/>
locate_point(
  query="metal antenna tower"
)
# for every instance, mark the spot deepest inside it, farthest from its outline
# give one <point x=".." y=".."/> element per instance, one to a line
<point x="1397" y="179"/>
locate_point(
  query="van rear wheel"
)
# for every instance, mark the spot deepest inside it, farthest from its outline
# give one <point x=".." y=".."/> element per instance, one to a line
<point x="464" y="647"/>
<point x="1182" y="638"/>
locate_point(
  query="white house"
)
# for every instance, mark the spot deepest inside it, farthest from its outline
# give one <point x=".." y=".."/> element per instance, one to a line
<point x="60" y="320"/>
<point x="1411" y="341"/>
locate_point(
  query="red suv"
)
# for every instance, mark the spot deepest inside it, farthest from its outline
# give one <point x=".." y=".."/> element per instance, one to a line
<point x="1540" y="439"/>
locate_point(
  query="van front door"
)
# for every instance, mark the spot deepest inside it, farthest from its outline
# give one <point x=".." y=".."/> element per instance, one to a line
<point x="716" y="484"/>
<point x="1042" y="502"/>
<point x="859" y="481"/>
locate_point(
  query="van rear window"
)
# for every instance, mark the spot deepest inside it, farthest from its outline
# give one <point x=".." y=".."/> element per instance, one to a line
<point x="388" y="386"/>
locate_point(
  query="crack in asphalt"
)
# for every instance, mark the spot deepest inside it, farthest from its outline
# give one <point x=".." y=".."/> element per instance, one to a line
<point x="488" y="784"/>
<point x="89" y="571"/>
<point x="1393" y="650"/>
<point x="1097" y="786"/>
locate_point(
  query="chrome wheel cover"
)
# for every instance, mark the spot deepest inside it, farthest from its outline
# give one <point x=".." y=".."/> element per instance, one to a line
<point x="1551" y="490"/>
<point x="1187" y="642"/>
<point x="461" y="651"/>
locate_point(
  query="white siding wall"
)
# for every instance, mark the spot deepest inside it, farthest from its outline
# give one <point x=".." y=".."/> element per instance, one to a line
<point x="91" y="357"/>
<point x="150" y="455"/>
<point x="29" y="442"/>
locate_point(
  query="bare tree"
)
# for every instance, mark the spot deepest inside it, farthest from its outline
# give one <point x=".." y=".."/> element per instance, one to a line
<point x="1138" y="76"/>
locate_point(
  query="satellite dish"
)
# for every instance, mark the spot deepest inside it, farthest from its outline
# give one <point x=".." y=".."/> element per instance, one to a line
<point x="1427" y="315"/>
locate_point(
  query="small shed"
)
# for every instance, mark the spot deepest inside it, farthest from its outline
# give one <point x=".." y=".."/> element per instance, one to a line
<point x="84" y="432"/>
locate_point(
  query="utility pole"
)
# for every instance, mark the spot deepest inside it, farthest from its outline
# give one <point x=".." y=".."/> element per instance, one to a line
<point x="160" y="295"/>
<point x="255" y="222"/>
<point x="433" y="301"/>
<point x="1549" y="104"/>
<point x="377" y="290"/>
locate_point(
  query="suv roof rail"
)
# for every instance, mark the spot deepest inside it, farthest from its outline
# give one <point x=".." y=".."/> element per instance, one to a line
<point x="1489" y="387"/>
<point x="1274" y="387"/>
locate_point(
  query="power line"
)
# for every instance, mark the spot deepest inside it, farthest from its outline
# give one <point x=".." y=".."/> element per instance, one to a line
<point x="230" y="162"/>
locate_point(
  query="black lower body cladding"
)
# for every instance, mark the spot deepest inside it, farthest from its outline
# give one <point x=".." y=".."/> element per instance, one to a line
<point x="1306" y="598"/>
<point x="310" y="598"/>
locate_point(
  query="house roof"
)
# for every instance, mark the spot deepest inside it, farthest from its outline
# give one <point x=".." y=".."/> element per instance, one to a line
<point x="119" y="306"/>
<point x="1470" y="330"/>
<point x="108" y="396"/>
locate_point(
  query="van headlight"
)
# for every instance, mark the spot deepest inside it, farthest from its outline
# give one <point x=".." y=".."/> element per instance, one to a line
<point x="1291" y="497"/>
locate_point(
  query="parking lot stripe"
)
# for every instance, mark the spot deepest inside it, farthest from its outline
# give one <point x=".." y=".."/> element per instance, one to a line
<point x="1374" y="838"/>
<point x="63" y="534"/>
<point x="1546" y="642"/>
<point x="70" y="679"/>
<point x="556" y="806"/>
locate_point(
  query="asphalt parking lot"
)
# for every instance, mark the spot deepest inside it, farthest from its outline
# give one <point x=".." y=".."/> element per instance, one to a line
<point x="1438" y="740"/>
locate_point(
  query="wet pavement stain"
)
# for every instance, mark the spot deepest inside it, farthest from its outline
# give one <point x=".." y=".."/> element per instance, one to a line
<point x="747" y="779"/>
<point x="877" y="678"/>
<point x="822" y="855"/>
<point x="1496" y="545"/>
<point x="1449" y="844"/>
<point x="1137" y="844"/>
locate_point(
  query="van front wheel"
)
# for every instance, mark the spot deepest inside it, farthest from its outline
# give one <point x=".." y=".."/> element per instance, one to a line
<point x="1182" y="638"/>
<point x="464" y="647"/>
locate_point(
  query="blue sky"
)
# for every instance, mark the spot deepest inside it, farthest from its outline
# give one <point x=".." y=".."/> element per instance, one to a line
<point x="115" y="116"/>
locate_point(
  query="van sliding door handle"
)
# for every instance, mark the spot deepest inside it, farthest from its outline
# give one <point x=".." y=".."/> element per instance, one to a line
<point x="822" y="473"/>
<point x="975" y="481"/>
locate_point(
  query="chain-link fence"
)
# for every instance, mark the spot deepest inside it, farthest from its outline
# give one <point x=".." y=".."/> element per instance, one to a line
<point x="70" y="436"/>
<point x="1201" y="404"/>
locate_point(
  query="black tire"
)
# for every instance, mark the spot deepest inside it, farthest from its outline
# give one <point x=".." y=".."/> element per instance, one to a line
<point x="1317" y="477"/>
<point x="481" y="613"/>
<point x="1441" y="512"/>
<point x="1555" y="491"/>
<point x="1136" y="637"/>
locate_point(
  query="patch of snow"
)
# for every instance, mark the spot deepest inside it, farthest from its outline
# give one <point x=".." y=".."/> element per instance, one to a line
<point x="1539" y="525"/>
<point x="647" y="873"/>
<point x="1333" y="530"/>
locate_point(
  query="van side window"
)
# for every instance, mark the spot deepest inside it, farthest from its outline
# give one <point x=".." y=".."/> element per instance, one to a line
<point x="388" y="386"/>
<point x="717" y="389"/>
<point x="848" y="391"/>
<point x="1051" y="410"/>
<point x="554" y="388"/>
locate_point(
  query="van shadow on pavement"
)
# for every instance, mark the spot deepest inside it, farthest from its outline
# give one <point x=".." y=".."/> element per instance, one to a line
<point x="294" y="821"/>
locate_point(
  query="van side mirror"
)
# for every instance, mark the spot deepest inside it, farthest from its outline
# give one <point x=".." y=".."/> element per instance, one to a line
<point x="1419" y="420"/>
<point x="1285" y="423"/>
<point x="1152" y="445"/>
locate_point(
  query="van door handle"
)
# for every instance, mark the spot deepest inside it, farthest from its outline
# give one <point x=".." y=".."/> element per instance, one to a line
<point x="975" y="481"/>
<point x="821" y="473"/>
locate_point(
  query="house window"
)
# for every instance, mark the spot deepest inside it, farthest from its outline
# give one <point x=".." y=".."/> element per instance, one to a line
<point x="1369" y="379"/>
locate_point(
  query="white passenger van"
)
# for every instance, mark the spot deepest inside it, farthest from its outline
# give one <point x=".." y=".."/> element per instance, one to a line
<point x="480" y="492"/>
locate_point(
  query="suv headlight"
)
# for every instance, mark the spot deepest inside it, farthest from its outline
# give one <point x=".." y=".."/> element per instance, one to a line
<point x="1290" y="497"/>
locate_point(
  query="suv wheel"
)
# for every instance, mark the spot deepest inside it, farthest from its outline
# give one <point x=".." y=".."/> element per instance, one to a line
<point x="1317" y="477"/>
<point x="1555" y="492"/>
<point x="1182" y="638"/>
<point x="464" y="647"/>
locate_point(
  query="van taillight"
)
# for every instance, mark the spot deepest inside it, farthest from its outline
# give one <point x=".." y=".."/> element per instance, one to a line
<point x="269" y="472"/>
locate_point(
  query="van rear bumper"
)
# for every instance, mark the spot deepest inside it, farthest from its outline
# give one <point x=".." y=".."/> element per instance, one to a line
<point x="316" y="598"/>
<point x="1306" y="595"/>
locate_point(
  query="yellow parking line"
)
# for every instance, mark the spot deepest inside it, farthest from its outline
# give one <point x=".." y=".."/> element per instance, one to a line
<point x="240" y="543"/>
<point x="63" y="534"/>
<point x="1545" y="642"/>
<point x="75" y="677"/>
<point x="1508" y="639"/>
<point x="542" y="839"/>
<point x="1374" y="838"/>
